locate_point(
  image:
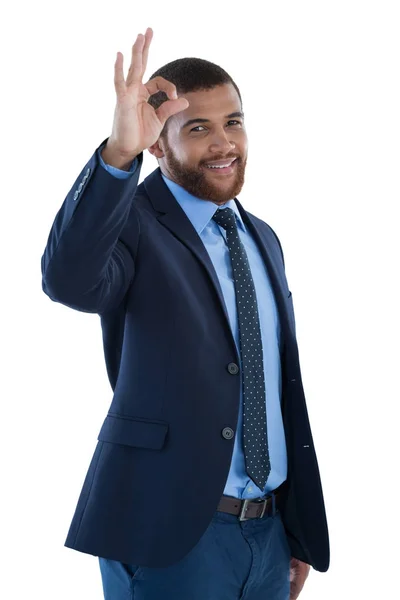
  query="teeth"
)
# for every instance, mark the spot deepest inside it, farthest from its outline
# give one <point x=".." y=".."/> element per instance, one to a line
<point x="219" y="166"/>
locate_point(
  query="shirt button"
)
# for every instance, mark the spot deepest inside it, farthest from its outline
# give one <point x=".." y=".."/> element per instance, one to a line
<point x="233" y="368"/>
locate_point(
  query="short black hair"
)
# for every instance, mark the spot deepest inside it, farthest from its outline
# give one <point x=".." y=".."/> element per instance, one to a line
<point x="190" y="75"/>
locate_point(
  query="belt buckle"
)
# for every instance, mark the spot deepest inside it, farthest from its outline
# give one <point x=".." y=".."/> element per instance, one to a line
<point x="244" y="509"/>
<point x="264" y="508"/>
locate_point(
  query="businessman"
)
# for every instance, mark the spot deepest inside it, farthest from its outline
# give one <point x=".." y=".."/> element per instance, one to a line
<point x="204" y="483"/>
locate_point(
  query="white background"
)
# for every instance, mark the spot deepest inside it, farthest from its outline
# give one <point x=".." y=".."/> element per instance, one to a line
<point x="320" y="86"/>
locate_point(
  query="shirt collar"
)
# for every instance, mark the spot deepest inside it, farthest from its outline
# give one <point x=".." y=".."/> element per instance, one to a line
<point x="199" y="211"/>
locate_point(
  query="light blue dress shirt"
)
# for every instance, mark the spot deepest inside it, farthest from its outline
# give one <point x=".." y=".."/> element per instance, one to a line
<point x="200" y="212"/>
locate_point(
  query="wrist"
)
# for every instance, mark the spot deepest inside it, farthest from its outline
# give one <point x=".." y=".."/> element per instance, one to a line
<point x="117" y="159"/>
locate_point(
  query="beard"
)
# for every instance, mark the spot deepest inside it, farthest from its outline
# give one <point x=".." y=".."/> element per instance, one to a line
<point x="203" y="185"/>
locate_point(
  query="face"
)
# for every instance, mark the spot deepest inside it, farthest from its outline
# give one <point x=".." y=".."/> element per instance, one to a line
<point x="215" y="133"/>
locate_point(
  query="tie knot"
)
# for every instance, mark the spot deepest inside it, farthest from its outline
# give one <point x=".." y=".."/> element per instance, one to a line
<point x="225" y="217"/>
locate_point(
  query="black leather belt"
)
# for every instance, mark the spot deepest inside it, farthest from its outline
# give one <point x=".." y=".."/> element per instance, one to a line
<point x="254" y="508"/>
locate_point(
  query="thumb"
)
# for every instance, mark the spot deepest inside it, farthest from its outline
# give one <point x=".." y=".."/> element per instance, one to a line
<point x="171" y="107"/>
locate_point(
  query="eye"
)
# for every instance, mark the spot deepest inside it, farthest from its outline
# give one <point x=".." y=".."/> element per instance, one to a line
<point x="231" y="121"/>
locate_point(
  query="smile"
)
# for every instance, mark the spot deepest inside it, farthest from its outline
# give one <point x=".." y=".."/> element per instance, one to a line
<point x="228" y="167"/>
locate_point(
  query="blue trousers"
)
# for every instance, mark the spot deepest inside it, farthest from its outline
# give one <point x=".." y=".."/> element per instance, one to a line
<point x="233" y="560"/>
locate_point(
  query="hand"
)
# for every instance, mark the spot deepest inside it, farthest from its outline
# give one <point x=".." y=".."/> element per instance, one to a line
<point x="137" y="125"/>
<point x="298" y="574"/>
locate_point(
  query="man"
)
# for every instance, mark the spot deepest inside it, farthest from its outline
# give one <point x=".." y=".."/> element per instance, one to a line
<point x="204" y="483"/>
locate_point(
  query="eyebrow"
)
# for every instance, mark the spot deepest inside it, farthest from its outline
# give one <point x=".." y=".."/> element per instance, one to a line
<point x="191" y="121"/>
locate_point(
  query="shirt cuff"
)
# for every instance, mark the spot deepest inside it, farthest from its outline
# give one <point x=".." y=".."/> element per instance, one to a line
<point x="118" y="173"/>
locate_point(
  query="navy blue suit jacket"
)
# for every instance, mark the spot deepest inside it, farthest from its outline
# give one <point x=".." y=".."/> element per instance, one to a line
<point x="130" y="254"/>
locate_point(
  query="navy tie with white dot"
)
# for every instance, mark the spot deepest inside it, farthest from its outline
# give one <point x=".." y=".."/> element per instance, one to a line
<point x="255" y="441"/>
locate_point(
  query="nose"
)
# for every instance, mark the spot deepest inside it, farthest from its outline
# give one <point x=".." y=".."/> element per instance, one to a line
<point x="221" y="143"/>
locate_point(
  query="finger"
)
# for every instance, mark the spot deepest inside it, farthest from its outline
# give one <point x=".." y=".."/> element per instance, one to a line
<point x="119" y="80"/>
<point x="160" y="84"/>
<point x="169" y="108"/>
<point x="135" y="73"/>
<point x="148" y="38"/>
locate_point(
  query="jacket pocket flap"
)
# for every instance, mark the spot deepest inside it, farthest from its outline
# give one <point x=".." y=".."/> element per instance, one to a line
<point x="133" y="432"/>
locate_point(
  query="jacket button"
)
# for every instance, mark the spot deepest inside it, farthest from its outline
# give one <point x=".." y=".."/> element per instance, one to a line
<point x="227" y="433"/>
<point x="233" y="368"/>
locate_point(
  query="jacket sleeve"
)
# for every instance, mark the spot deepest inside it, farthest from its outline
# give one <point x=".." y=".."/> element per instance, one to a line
<point x="85" y="264"/>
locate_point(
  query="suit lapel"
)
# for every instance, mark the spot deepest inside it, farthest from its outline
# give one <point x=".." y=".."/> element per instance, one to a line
<point x="174" y="218"/>
<point x="266" y="243"/>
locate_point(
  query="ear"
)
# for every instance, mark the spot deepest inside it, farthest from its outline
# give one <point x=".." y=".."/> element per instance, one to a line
<point x="156" y="150"/>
